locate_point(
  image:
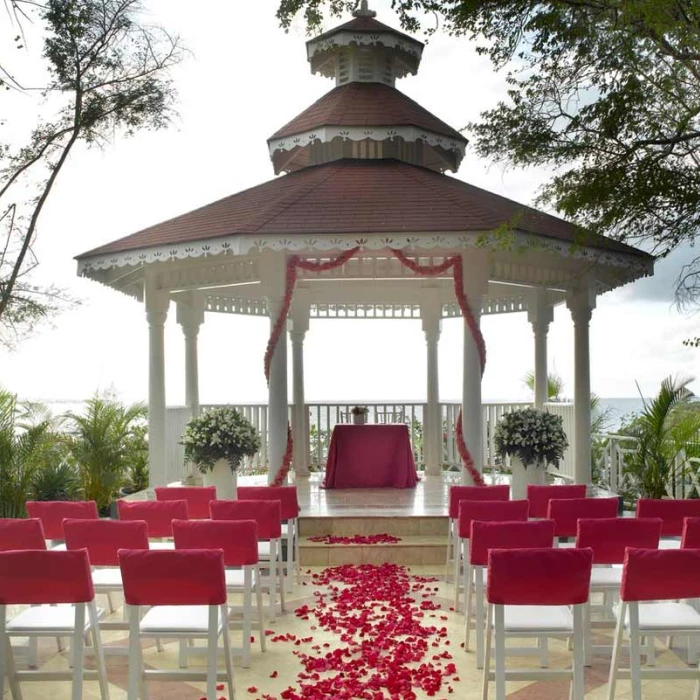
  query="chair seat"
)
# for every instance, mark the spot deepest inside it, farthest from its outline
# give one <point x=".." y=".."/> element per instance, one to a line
<point x="109" y="577"/>
<point x="557" y="618"/>
<point x="669" y="544"/>
<point x="605" y="577"/>
<point x="52" y="619"/>
<point x="664" y="616"/>
<point x="177" y="618"/>
<point x="161" y="545"/>
<point x="235" y="578"/>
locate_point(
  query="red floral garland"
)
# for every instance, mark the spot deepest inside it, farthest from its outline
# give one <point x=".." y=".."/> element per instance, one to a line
<point x="293" y="263"/>
<point x="455" y="262"/>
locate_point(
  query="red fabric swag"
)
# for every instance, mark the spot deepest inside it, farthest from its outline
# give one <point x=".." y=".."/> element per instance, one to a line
<point x="485" y="536"/>
<point x="566" y="512"/>
<point x="197" y="498"/>
<point x="21" y="534"/>
<point x="489" y="511"/>
<point x="237" y="539"/>
<point x="475" y="493"/>
<point x="660" y="574"/>
<point x="104" y="538"/>
<point x="540" y="496"/>
<point x="539" y="576"/>
<point x="34" y="576"/>
<point x="173" y="577"/>
<point x="610" y="537"/>
<point x="53" y="513"/>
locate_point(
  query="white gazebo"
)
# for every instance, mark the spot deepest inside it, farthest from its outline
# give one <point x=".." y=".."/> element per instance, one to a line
<point x="364" y="172"/>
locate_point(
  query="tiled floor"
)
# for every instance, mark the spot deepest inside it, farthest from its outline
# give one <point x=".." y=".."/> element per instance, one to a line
<point x="280" y="661"/>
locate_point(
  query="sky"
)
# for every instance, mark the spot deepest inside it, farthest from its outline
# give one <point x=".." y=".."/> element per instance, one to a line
<point x="245" y="77"/>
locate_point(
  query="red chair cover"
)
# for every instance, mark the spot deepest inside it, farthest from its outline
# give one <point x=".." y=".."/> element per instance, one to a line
<point x="158" y="515"/>
<point x="540" y="496"/>
<point x="35" y="576"/>
<point x="238" y="539"/>
<point x="671" y="511"/>
<point x="691" y="533"/>
<point x="104" y="538"/>
<point x="609" y="537"/>
<point x="287" y="495"/>
<point x="267" y="514"/>
<point x="567" y="511"/>
<point x="173" y="577"/>
<point x="197" y="498"/>
<point x="475" y="493"/>
<point x="489" y="511"/>
<point x="660" y="574"/>
<point x="539" y="576"/>
<point x="21" y="534"/>
<point x="53" y="513"/>
<point x="537" y="534"/>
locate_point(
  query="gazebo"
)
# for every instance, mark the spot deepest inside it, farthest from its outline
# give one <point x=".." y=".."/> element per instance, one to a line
<point x="362" y="222"/>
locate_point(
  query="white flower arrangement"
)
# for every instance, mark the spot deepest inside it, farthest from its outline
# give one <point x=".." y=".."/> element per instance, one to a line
<point x="535" y="437"/>
<point x="219" y="433"/>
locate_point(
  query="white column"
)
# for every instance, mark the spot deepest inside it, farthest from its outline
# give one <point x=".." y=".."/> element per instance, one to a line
<point x="475" y="270"/>
<point x="157" y="303"/>
<point x="540" y="315"/>
<point x="432" y="421"/>
<point x="581" y="304"/>
<point x="298" y="328"/>
<point x="190" y="316"/>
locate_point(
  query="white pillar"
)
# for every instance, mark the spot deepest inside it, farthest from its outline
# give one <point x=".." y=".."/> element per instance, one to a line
<point x="299" y="327"/>
<point x="157" y="303"/>
<point x="540" y="315"/>
<point x="581" y="304"/>
<point x="190" y="316"/>
<point x="432" y="421"/>
<point x="475" y="268"/>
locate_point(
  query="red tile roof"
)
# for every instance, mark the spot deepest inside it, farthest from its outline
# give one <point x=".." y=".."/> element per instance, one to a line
<point x="356" y="197"/>
<point x="365" y="25"/>
<point x="366" y="104"/>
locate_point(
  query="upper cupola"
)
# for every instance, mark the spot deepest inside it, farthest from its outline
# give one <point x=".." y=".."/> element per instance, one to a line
<point x="364" y="50"/>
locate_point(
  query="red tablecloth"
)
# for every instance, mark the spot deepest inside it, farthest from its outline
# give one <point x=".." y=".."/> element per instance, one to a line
<point x="370" y="456"/>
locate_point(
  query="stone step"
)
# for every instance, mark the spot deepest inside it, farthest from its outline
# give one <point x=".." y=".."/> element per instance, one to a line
<point x="410" y="550"/>
<point x="400" y="526"/>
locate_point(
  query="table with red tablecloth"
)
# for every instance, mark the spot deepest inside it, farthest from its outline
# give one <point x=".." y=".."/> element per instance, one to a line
<point x="370" y="456"/>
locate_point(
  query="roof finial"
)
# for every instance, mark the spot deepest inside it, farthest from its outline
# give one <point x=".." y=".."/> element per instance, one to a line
<point x="364" y="11"/>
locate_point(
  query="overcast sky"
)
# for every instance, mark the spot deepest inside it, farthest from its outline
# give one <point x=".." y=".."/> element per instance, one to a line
<point x="244" y="79"/>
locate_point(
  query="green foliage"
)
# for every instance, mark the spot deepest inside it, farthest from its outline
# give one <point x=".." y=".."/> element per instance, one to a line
<point x="667" y="425"/>
<point x="56" y="482"/>
<point x="137" y="458"/>
<point x="605" y="93"/>
<point x="219" y="433"/>
<point x="100" y="444"/>
<point x="536" y="437"/>
<point x="555" y="385"/>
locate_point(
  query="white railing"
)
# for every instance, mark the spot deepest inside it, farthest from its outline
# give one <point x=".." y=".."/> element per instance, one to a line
<point x="322" y="418"/>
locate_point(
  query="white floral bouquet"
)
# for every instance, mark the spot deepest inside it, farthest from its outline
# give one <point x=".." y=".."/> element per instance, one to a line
<point x="535" y="437"/>
<point x="219" y="433"/>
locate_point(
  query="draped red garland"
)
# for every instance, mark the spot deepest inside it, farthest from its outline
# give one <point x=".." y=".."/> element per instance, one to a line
<point x="455" y="262"/>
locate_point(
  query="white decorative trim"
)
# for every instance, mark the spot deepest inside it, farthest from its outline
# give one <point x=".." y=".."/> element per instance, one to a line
<point x="380" y="311"/>
<point x="342" y="39"/>
<point x="326" y="134"/>
<point x="450" y="241"/>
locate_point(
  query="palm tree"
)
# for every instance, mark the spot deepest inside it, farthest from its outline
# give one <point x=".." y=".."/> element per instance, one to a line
<point x="22" y="449"/>
<point x="555" y="385"/>
<point x="100" y="446"/>
<point x="667" y="424"/>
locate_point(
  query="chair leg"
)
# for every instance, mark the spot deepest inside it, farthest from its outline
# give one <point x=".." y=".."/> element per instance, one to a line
<point x="290" y="557"/>
<point x="227" y="656"/>
<point x="456" y="570"/>
<point x="12" y="679"/>
<point x="297" y="560"/>
<point x="78" y="648"/>
<point x="110" y="602"/>
<point x="450" y="546"/>
<point x="577" y="684"/>
<point x="468" y="613"/>
<point x="635" y="662"/>
<point x="4" y="639"/>
<point x="99" y="651"/>
<point x="272" y="573"/>
<point x="136" y="675"/>
<point x="182" y="653"/>
<point x="650" y="651"/>
<point x="479" y="614"/>
<point x="500" y="652"/>
<point x="261" y="612"/>
<point x="617" y="643"/>
<point x="247" y="613"/>
<point x="487" y="655"/>
<point x="587" y="643"/>
<point x="280" y="578"/>
<point x="543" y="646"/>
<point x="212" y="647"/>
